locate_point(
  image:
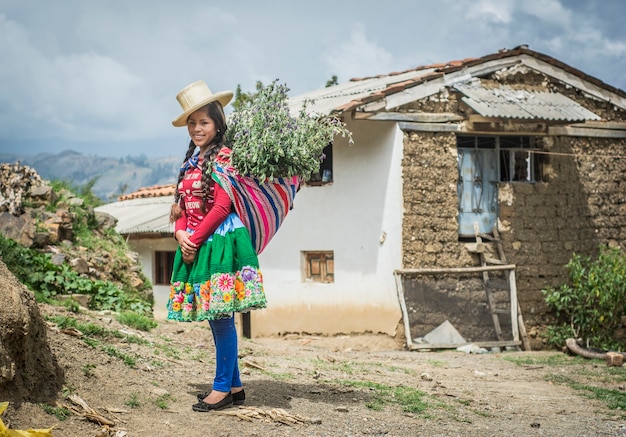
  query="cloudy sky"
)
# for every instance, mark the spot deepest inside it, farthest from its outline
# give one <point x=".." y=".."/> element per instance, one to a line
<point x="101" y="76"/>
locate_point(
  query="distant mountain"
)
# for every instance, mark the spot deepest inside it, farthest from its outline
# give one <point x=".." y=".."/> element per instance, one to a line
<point x="115" y="176"/>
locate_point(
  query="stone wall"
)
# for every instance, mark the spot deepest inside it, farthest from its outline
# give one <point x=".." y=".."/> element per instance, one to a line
<point x="579" y="206"/>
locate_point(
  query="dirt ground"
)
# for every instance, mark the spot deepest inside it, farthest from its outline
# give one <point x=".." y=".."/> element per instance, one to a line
<point x="300" y="385"/>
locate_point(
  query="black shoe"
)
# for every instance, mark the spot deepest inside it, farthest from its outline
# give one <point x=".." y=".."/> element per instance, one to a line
<point x="204" y="407"/>
<point x="239" y="398"/>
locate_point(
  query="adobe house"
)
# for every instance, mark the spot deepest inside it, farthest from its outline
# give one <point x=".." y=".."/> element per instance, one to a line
<point x="469" y="186"/>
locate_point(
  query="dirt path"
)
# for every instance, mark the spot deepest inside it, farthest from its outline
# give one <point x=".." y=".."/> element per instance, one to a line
<point x="339" y="386"/>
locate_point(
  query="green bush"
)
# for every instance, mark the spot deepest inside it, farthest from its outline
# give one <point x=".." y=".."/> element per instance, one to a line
<point x="591" y="306"/>
<point x="38" y="273"/>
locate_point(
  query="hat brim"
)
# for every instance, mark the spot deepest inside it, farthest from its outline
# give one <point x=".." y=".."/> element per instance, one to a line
<point x="224" y="97"/>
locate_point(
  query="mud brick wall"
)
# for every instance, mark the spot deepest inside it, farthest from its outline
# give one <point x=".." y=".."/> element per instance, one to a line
<point x="430" y="226"/>
<point x="579" y="205"/>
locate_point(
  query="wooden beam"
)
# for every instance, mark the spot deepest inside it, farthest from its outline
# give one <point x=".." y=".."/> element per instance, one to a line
<point x="614" y="125"/>
<point x="458" y="270"/>
<point x="574" y="80"/>
<point x="419" y="117"/>
<point x="429" y="127"/>
<point x="484" y="344"/>
<point x="571" y="131"/>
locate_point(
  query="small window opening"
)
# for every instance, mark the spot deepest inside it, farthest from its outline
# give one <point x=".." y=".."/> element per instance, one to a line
<point x="325" y="175"/>
<point x="163" y="262"/>
<point x="518" y="161"/>
<point x="319" y="266"/>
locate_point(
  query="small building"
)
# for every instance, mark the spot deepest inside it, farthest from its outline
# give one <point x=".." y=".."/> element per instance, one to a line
<point x="513" y="159"/>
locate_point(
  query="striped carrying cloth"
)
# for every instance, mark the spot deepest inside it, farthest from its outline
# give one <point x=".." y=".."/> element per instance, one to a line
<point x="262" y="207"/>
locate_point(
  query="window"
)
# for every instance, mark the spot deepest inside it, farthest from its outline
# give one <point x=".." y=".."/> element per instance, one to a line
<point x="163" y="262"/>
<point x="319" y="266"/>
<point x="325" y="175"/>
<point x="517" y="161"/>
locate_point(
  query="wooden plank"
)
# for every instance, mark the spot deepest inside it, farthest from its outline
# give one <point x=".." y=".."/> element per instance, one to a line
<point x="514" y="305"/>
<point x="405" y="314"/>
<point x="455" y="270"/>
<point x="571" y="131"/>
<point x="418" y="117"/>
<point x="574" y="80"/>
<point x="484" y="344"/>
<point x="490" y="300"/>
<point x="429" y="127"/>
<point x="616" y="125"/>
<point x="520" y="319"/>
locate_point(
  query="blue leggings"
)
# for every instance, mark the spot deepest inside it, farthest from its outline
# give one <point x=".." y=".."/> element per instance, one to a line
<point x="226" y="367"/>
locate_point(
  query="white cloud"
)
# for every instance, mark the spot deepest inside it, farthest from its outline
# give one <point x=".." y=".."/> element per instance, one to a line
<point x="550" y="11"/>
<point x="497" y="11"/>
<point x="357" y="57"/>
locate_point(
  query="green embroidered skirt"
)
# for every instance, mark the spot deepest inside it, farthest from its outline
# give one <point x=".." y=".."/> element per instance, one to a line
<point x="224" y="277"/>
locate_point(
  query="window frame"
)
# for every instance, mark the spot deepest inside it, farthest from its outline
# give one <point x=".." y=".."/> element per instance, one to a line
<point x="326" y="261"/>
<point x="163" y="265"/>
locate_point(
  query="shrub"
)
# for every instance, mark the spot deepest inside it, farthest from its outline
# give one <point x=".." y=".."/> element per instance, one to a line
<point x="592" y="305"/>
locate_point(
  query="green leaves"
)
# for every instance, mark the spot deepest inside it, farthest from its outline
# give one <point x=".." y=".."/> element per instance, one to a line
<point x="268" y="142"/>
<point x="591" y="306"/>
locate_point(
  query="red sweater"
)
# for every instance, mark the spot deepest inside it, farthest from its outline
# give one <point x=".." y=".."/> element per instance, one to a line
<point x="218" y="206"/>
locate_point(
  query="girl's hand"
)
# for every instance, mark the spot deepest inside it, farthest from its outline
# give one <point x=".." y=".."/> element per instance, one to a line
<point x="188" y="249"/>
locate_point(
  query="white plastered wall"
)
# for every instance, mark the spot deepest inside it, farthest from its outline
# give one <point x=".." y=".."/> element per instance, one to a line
<point x="359" y="218"/>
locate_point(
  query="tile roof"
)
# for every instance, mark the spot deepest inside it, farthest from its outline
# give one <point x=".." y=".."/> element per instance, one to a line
<point x="153" y="191"/>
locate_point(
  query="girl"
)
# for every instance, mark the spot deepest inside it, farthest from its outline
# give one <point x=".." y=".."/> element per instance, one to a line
<point x="216" y="270"/>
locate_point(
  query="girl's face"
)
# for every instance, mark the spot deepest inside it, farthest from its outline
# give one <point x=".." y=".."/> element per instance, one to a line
<point x="201" y="128"/>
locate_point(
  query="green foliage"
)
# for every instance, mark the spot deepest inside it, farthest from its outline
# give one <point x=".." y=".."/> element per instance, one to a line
<point x="268" y="142"/>
<point x="83" y="191"/>
<point x="37" y="272"/>
<point x="61" y="413"/>
<point x="592" y="304"/>
<point x="137" y="321"/>
<point x="242" y="99"/>
<point x="332" y="81"/>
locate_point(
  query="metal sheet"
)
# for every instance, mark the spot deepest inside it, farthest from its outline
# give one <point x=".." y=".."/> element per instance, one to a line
<point x="507" y="102"/>
<point x="141" y="215"/>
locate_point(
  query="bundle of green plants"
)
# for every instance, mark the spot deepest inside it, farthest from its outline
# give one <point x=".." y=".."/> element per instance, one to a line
<point x="268" y="142"/>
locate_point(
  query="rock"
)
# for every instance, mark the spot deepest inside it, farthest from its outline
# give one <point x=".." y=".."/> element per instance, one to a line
<point x="19" y="228"/>
<point x="80" y="265"/>
<point x="28" y="369"/>
<point x="105" y="221"/>
<point x="42" y="194"/>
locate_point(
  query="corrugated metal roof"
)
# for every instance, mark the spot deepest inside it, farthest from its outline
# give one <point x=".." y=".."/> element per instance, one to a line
<point x="507" y="102"/>
<point x="142" y="215"/>
<point x="328" y="100"/>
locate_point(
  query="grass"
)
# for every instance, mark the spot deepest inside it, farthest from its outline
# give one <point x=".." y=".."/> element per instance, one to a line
<point x="61" y="413"/>
<point x="410" y="400"/>
<point x="133" y="401"/>
<point x="137" y="321"/>
<point x="115" y="352"/>
<point x="589" y="378"/>
<point x="162" y="401"/>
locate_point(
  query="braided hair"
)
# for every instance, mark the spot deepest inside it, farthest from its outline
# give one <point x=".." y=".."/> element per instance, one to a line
<point x="215" y="111"/>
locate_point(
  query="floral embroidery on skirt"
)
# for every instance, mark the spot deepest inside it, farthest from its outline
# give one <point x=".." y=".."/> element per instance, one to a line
<point x="224" y="278"/>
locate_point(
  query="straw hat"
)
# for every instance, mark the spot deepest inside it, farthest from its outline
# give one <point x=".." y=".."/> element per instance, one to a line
<point x="196" y="95"/>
